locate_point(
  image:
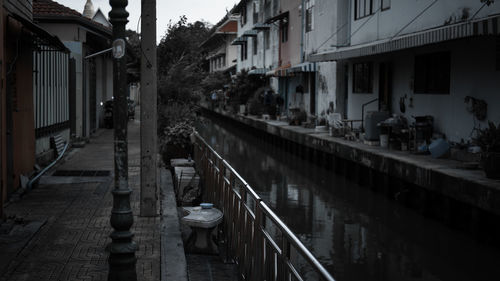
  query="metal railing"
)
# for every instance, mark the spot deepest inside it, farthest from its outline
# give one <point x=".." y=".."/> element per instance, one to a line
<point x="256" y="238"/>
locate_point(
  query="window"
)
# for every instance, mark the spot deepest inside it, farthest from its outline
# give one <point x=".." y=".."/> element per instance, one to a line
<point x="432" y="73"/>
<point x="267" y="39"/>
<point x="362" y="8"/>
<point x="244" y="52"/>
<point x="362" y="77"/>
<point x="284" y="31"/>
<point x="255" y="45"/>
<point x="255" y="12"/>
<point x="243" y="16"/>
<point x="386" y="4"/>
<point x="309" y="16"/>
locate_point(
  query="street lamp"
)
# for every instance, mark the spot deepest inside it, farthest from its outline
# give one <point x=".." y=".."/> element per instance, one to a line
<point x="122" y="258"/>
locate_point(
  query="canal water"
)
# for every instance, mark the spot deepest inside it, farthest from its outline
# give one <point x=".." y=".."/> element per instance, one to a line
<point x="358" y="235"/>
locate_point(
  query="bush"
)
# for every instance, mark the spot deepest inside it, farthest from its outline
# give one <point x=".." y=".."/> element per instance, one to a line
<point x="175" y="142"/>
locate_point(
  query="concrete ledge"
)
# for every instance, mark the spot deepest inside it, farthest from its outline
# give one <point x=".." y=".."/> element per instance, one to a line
<point x="437" y="175"/>
<point x="173" y="259"/>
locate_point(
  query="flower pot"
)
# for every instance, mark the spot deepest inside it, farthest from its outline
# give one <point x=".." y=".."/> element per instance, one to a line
<point x="491" y="164"/>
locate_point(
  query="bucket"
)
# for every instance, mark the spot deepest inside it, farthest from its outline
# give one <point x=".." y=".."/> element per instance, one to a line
<point x="384" y="141"/>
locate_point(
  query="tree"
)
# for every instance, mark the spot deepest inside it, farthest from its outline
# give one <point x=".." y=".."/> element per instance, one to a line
<point x="180" y="61"/>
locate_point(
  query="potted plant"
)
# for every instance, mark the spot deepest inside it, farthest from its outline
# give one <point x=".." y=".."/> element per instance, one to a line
<point x="489" y="141"/>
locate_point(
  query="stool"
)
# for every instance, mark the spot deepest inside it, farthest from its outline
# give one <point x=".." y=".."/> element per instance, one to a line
<point x="202" y="223"/>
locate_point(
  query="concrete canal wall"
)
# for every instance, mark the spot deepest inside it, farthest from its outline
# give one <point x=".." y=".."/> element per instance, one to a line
<point x="435" y="187"/>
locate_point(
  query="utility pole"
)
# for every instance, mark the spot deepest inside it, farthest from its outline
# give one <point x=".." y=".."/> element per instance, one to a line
<point x="149" y="189"/>
<point x="122" y="258"/>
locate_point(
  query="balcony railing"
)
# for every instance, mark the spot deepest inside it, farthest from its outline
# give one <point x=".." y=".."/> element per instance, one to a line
<point x="256" y="238"/>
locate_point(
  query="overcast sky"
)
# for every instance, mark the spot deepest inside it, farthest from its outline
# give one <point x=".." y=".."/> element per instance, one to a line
<point x="208" y="10"/>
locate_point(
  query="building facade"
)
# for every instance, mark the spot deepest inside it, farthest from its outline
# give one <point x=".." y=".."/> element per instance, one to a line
<point x="419" y="58"/>
<point x="91" y="65"/>
<point x="220" y="54"/>
<point x="22" y="41"/>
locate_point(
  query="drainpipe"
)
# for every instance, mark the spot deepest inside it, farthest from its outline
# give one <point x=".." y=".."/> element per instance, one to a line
<point x="302" y="32"/>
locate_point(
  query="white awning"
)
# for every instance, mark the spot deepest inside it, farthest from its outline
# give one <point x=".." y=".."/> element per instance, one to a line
<point x="239" y="41"/>
<point x="481" y="27"/>
<point x="303" y="67"/>
<point x="251" y="33"/>
<point x="257" y="71"/>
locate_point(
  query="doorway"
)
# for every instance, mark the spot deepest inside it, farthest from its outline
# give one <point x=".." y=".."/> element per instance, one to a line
<point x="312" y="93"/>
<point x="385" y="87"/>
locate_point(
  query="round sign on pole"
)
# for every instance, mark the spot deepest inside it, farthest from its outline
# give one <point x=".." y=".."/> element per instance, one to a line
<point x="118" y="48"/>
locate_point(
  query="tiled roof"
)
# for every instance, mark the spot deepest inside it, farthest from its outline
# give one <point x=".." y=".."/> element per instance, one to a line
<point x="51" y="8"/>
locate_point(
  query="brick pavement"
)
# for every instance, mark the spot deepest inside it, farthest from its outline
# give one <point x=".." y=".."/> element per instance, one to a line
<point x="71" y="245"/>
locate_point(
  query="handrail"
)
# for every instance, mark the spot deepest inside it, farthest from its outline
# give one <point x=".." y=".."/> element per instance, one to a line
<point x="249" y="243"/>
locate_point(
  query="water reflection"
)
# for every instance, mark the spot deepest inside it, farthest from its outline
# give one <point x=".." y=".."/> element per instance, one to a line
<point x="356" y="233"/>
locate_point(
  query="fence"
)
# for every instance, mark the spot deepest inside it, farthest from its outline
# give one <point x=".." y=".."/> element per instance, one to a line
<point x="256" y="238"/>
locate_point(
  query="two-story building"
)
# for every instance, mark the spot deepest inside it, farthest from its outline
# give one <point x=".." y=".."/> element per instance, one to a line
<point x="220" y="54"/>
<point x="415" y="58"/>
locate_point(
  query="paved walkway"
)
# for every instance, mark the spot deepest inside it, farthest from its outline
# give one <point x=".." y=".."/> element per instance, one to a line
<point x="73" y="214"/>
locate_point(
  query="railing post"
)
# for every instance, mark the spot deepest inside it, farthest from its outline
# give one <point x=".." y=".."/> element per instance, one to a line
<point x="258" y="246"/>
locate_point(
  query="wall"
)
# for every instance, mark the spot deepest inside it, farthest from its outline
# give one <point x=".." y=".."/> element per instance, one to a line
<point x="323" y="36"/>
<point x="388" y="23"/>
<point x="248" y="63"/>
<point x="470" y="76"/>
<point x="65" y="32"/>
<point x="326" y="86"/>
<point x="290" y="51"/>
<point x="23" y="130"/>
<point x="76" y="49"/>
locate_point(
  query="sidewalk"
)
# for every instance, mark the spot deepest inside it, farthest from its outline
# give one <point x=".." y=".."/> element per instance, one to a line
<point x="63" y="228"/>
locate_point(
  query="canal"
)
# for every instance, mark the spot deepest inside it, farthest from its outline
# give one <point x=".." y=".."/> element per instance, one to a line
<point x="357" y="234"/>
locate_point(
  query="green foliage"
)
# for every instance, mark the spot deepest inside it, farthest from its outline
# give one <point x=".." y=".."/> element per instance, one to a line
<point x="244" y="87"/>
<point x="180" y="69"/>
<point x="215" y="81"/>
<point x="489" y="138"/>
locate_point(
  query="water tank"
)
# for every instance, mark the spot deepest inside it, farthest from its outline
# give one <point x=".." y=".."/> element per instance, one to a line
<point x="372" y="118"/>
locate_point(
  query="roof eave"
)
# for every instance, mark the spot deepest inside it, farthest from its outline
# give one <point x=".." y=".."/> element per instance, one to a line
<point x="106" y="32"/>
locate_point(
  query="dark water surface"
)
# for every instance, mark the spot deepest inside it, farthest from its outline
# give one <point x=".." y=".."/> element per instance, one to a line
<point x="355" y="233"/>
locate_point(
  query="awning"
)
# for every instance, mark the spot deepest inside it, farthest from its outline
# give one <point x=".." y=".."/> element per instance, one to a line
<point x="282" y="70"/>
<point x="239" y="41"/>
<point x="257" y="71"/>
<point x="278" y="17"/>
<point x="41" y="36"/>
<point x="482" y="27"/>
<point x="261" y="26"/>
<point x="250" y="33"/>
<point x="303" y="67"/>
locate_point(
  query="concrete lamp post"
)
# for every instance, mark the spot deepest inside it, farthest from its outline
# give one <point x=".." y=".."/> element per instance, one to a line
<point x="122" y="258"/>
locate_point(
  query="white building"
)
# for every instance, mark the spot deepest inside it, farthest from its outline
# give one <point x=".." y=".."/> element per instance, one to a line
<point x="220" y="53"/>
<point x="418" y="58"/>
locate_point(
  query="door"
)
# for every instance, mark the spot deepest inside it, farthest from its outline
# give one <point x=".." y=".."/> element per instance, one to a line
<point x="385" y="87"/>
